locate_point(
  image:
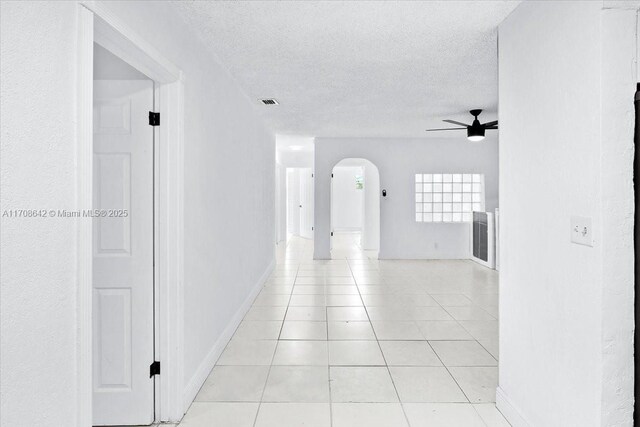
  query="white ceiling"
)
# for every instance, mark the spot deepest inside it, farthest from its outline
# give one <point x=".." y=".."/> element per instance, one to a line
<point x="358" y="69"/>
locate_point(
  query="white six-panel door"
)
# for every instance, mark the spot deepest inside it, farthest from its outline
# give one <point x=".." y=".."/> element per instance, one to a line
<point x="123" y="392"/>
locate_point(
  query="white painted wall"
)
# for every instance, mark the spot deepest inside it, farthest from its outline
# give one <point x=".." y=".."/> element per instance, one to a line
<point x="567" y="80"/>
<point x="398" y="160"/>
<point x="37" y="256"/>
<point x="229" y="245"/>
<point x="347" y="202"/>
<point x="281" y="203"/>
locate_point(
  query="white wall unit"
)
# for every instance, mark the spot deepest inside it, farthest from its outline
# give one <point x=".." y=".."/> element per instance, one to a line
<point x="397" y="161"/>
<point x="566" y="148"/>
<point x="483" y="239"/>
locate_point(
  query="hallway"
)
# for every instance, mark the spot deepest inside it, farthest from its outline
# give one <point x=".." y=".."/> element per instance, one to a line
<point x="360" y="342"/>
<point x="146" y="277"/>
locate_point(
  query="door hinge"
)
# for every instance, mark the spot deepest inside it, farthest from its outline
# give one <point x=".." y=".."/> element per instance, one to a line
<point x="154" y="119"/>
<point x="311" y="175"/>
<point x="332" y="234"/>
<point x="154" y="369"/>
<point x="331" y="175"/>
<point x="311" y="228"/>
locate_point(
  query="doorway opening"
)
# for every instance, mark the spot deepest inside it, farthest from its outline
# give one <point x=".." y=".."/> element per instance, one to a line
<point x="355" y="209"/>
<point x="299" y="194"/>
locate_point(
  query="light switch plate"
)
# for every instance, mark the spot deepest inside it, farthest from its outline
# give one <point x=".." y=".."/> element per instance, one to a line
<point x="581" y="231"/>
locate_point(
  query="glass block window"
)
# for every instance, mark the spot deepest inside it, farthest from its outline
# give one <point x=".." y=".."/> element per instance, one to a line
<point x="448" y="197"/>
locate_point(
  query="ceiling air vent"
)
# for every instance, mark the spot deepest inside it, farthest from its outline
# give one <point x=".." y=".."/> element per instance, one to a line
<point x="269" y="101"/>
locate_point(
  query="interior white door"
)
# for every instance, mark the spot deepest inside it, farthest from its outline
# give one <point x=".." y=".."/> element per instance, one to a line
<point x="123" y="392"/>
<point x="293" y="201"/>
<point x="306" y="203"/>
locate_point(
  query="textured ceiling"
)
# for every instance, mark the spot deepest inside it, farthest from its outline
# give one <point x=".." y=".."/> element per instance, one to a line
<point x="358" y="69"/>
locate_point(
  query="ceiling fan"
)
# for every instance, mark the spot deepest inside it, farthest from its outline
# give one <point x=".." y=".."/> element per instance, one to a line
<point x="475" y="131"/>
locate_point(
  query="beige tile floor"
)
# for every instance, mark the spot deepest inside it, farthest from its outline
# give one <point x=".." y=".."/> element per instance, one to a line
<point x="356" y="342"/>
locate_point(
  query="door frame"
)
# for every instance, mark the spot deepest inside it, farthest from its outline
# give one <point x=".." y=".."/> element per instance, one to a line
<point x="97" y="23"/>
<point x="364" y="201"/>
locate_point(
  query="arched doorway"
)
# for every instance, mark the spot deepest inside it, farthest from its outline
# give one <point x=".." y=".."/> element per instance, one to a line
<point x="355" y="209"/>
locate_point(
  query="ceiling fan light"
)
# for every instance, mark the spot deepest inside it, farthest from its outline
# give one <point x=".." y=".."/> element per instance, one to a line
<point x="475" y="133"/>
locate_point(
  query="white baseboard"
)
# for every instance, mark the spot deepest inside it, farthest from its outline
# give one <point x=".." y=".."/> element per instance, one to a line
<point x="201" y="374"/>
<point x="508" y="410"/>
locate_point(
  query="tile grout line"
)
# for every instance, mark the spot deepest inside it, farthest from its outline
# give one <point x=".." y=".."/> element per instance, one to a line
<point x="480" y="416"/>
<point x="401" y="402"/>
<point x="438" y="356"/>
<point x="264" y="388"/>
<point x="458" y="322"/>
<point x="380" y="348"/>
<point x="227" y="345"/>
<point x="449" y="372"/>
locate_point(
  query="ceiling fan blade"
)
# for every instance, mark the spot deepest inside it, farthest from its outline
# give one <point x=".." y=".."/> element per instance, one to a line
<point x="432" y="130"/>
<point x="492" y="127"/>
<point x="453" y="122"/>
<point x="490" y="124"/>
